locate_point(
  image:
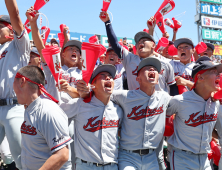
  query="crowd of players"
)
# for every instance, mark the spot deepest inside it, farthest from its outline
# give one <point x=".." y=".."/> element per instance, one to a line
<point x="117" y="121"/>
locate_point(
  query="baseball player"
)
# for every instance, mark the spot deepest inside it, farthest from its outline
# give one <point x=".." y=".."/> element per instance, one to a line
<point x="209" y="52"/>
<point x="143" y="122"/>
<point x="97" y="120"/>
<point x="112" y="58"/>
<point x="35" y="59"/>
<point x="218" y="126"/>
<point x="183" y="68"/>
<point x="6" y="155"/>
<point x="14" y="54"/>
<point x="45" y="127"/>
<point x="145" y="45"/>
<point x="196" y="116"/>
<point x="71" y="54"/>
<point x="71" y="72"/>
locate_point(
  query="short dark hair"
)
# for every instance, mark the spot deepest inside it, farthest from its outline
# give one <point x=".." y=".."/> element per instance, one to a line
<point x="34" y="73"/>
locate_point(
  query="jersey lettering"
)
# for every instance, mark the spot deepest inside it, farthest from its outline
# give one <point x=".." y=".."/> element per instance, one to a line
<point x="187" y="77"/>
<point x="118" y="76"/>
<point x="28" y="129"/>
<point x="69" y="79"/>
<point x="195" y="120"/>
<point x="3" y="54"/>
<point x="94" y="125"/>
<point x="135" y="71"/>
<point x="143" y="113"/>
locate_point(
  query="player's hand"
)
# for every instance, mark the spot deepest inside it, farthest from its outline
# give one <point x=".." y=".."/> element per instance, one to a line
<point x="106" y="18"/>
<point x="153" y="21"/>
<point x="83" y="89"/>
<point x="29" y="17"/>
<point x="66" y="32"/>
<point x="166" y="35"/>
<point x="180" y="81"/>
<point x="175" y="30"/>
<point x="64" y="85"/>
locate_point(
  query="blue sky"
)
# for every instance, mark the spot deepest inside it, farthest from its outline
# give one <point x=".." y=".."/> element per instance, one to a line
<point x="130" y="16"/>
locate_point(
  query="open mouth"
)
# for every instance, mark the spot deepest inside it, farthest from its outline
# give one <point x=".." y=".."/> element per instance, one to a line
<point x="111" y="59"/>
<point x="151" y="75"/>
<point x="74" y="56"/>
<point x="108" y="85"/>
<point x="205" y="53"/>
<point x="183" y="54"/>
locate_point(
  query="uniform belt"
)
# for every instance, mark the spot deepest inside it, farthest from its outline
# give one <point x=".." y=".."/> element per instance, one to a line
<point x="97" y="164"/>
<point x="4" y="102"/>
<point x="141" y="151"/>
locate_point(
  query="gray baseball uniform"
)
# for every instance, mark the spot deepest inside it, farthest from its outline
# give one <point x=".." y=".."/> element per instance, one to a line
<point x="182" y="70"/>
<point x="118" y="80"/>
<point x="44" y="131"/>
<point x="13" y="56"/>
<point x="218" y="126"/>
<point x="193" y="125"/>
<point x="143" y="123"/>
<point x="71" y="75"/>
<point x="96" y="129"/>
<point x="131" y="62"/>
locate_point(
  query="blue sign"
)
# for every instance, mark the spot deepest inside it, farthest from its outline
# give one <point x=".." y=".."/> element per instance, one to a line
<point x="211" y="9"/>
<point x="73" y="36"/>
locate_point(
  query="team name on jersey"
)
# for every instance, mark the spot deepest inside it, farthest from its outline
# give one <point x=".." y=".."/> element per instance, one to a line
<point x="134" y="72"/>
<point x="195" y="120"/>
<point x="3" y="54"/>
<point x="187" y="77"/>
<point x="143" y="113"/>
<point x="94" y="124"/>
<point x="28" y="129"/>
<point x="69" y="79"/>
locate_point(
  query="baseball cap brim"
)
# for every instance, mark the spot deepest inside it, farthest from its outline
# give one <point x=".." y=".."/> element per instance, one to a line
<point x="104" y="68"/>
<point x="205" y="65"/>
<point x="109" y="49"/>
<point x="34" y="50"/>
<point x="143" y="34"/>
<point x="76" y="43"/>
<point x="203" y="58"/>
<point x="183" y="40"/>
<point x="5" y="18"/>
<point x="150" y="61"/>
<point x="210" y="46"/>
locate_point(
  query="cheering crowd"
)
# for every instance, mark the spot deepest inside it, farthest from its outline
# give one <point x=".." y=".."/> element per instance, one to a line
<point x="136" y="103"/>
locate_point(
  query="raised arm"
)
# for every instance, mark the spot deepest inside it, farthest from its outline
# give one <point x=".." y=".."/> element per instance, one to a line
<point x="111" y="35"/>
<point x="15" y="19"/>
<point x="35" y="32"/>
<point x="174" y="34"/>
<point x="151" y="27"/>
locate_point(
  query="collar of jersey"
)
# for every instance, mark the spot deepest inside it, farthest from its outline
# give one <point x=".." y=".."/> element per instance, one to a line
<point x="97" y="102"/>
<point x="197" y="97"/>
<point x="34" y="104"/>
<point x="145" y="95"/>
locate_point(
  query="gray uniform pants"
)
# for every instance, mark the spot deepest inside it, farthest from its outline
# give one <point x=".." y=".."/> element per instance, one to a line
<point x="11" y="119"/>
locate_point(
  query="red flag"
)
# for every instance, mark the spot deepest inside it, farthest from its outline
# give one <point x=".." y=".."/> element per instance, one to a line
<point x="106" y="4"/>
<point x="94" y="39"/>
<point x="51" y="55"/>
<point x="90" y="54"/>
<point x="160" y="23"/>
<point x="169" y="127"/>
<point x="165" y="8"/>
<point x="38" y="4"/>
<point x="45" y="33"/>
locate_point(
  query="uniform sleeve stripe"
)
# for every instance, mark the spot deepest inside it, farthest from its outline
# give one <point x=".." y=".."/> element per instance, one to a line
<point x="60" y="144"/>
<point x="21" y="34"/>
<point x="171" y="82"/>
